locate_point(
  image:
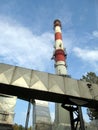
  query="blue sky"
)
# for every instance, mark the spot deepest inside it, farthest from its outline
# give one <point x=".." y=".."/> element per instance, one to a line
<point x="27" y="36"/>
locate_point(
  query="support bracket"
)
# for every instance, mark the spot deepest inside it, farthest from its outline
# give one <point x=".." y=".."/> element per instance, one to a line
<point x="76" y="118"/>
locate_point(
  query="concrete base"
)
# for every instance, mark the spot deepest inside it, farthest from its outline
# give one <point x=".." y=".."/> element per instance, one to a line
<point x="62" y="116"/>
<point x="43" y="126"/>
<point x="61" y="127"/>
<point x="91" y="127"/>
<point x="6" y="127"/>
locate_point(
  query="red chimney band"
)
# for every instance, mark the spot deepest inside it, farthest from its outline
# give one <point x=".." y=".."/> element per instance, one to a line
<point x="58" y="36"/>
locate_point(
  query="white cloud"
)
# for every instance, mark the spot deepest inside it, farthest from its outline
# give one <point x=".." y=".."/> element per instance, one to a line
<point x="95" y="33"/>
<point x="89" y="57"/>
<point x="20" y="46"/>
<point x="86" y="54"/>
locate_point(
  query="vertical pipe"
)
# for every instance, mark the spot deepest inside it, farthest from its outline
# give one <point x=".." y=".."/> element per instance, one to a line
<point x="72" y="120"/>
<point x="34" y="115"/>
<point x="82" y="127"/>
<point x="28" y="115"/>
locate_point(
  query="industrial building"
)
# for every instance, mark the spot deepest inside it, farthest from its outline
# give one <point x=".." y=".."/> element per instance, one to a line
<point x="58" y="88"/>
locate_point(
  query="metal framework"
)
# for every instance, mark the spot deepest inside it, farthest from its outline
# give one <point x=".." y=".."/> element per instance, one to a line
<point x="29" y="84"/>
<point x="75" y="116"/>
<point x="28" y="114"/>
<point x="31" y="102"/>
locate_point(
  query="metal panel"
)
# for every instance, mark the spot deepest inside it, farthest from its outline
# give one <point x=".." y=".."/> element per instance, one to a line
<point x="56" y="84"/>
<point x="71" y="87"/>
<point x="7" y="106"/>
<point x="94" y="91"/>
<point x="39" y="81"/>
<point x="21" y="77"/>
<point x="6" y="72"/>
<point x="42" y="112"/>
<point x="84" y="90"/>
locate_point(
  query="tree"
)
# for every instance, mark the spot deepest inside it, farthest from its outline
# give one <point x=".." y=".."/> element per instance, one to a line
<point x="30" y="128"/>
<point x="20" y="127"/>
<point x="92" y="78"/>
<point x="15" y="127"/>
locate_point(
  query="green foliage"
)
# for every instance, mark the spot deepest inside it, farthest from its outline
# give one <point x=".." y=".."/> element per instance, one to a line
<point x="15" y="127"/>
<point x="20" y="127"/>
<point x="92" y="78"/>
<point x="30" y="128"/>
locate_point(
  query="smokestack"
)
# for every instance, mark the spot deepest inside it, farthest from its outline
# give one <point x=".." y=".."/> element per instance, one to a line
<point x="61" y="116"/>
<point x="59" y="53"/>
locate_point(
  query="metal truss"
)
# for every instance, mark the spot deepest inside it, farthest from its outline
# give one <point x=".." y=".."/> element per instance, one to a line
<point x="76" y="117"/>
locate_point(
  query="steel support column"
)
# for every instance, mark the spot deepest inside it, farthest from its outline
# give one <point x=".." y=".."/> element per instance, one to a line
<point x="28" y="115"/>
<point x="77" y="112"/>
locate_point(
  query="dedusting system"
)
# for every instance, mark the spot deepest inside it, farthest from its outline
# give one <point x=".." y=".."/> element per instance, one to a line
<point x="42" y="121"/>
<point x="41" y="115"/>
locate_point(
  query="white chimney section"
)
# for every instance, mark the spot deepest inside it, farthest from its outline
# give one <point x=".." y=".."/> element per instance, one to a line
<point x="59" y="53"/>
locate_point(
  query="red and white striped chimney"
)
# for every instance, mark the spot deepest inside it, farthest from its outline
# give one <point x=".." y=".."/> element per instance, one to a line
<point x="59" y="53"/>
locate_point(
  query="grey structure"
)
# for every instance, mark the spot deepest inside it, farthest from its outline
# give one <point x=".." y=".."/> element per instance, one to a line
<point x="42" y="116"/>
<point x="30" y="84"/>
